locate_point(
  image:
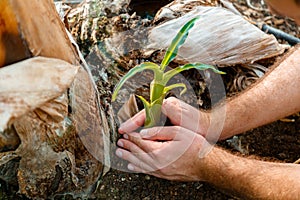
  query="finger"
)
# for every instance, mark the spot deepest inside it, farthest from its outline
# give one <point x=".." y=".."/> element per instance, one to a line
<point x="137" y="169"/>
<point x="137" y="146"/>
<point x="172" y="109"/>
<point x="149" y="157"/>
<point x="133" y="123"/>
<point x="160" y="133"/>
<point x="132" y="158"/>
<point x="182" y="114"/>
<point x="142" y="149"/>
<point x="146" y="145"/>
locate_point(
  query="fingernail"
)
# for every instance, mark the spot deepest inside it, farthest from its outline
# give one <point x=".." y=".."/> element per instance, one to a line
<point x="144" y="133"/>
<point x="120" y="143"/>
<point x="125" y="136"/>
<point x="121" y="129"/>
<point x="119" y="153"/>
<point x="130" y="167"/>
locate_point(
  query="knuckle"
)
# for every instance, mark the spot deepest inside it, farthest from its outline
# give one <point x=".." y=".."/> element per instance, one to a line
<point x="171" y="101"/>
<point x="176" y="129"/>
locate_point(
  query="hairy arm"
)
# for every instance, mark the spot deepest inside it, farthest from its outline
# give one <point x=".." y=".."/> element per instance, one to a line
<point x="277" y="95"/>
<point x="184" y="155"/>
<point x="249" y="178"/>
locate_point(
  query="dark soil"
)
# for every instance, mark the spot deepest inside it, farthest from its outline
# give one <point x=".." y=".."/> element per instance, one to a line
<point x="278" y="141"/>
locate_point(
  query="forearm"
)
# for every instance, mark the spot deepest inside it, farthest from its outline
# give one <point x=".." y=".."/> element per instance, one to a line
<point x="252" y="179"/>
<point x="275" y="96"/>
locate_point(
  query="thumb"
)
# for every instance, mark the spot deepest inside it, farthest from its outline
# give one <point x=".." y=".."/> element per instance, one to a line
<point x="172" y="108"/>
<point x="133" y="123"/>
<point x="160" y="133"/>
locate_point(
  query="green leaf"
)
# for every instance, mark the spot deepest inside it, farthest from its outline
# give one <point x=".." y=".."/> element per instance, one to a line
<point x="146" y="65"/>
<point x="170" y="87"/>
<point x="168" y="75"/>
<point x="177" y="42"/>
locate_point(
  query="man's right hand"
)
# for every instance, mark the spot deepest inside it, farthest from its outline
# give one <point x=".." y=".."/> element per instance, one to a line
<point x="178" y="112"/>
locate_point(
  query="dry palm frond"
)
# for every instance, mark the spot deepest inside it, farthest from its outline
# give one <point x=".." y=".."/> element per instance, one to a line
<point x="241" y="77"/>
<point x="34" y="82"/>
<point x="178" y="8"/>
<point x="250" y="5"/>
<point x="219" y="38"/>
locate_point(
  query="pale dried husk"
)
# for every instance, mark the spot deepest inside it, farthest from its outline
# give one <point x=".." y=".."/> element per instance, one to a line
<point x="27" y="85"/>
<point x="128" y="110"/>
<point x="59" y="129"/>
<point x="219" y="37"/>
<point x="53" y="154"/>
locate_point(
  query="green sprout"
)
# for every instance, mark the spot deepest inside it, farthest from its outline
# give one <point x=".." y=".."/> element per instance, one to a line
<point x="158" y="86"/>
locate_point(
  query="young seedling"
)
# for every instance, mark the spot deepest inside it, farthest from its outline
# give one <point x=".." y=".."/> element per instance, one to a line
<point x="158" y="86"/>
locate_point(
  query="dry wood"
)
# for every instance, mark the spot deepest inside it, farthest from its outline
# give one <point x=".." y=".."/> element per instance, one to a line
<point x="218" y="38"/>
<point x="51" y="140"/>
<point x="32" y="29"/>
<point x="27" y="85"/>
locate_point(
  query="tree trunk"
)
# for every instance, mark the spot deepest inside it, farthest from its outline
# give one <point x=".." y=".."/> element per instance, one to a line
<point x="53" y="140"/>
<point x="32" y="29"/>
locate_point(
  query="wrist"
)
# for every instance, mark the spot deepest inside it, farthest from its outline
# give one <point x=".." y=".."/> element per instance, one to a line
<point x="212" y="124"/>
<point x="207" y="165"/>
<point x="215" y="165"/>
<point x="203" y="123"/>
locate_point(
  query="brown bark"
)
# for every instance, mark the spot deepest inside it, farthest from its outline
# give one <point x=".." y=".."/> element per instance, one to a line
<point x="56" y="145"/>
<point x="32" y="29"/>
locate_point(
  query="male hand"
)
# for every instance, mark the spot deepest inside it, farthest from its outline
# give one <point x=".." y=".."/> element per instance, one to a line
<point x="178" y="112"/>
<point x="173" y="153"/>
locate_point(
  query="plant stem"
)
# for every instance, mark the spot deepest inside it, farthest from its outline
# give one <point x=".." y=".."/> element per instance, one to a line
<point x="154" y="114"/>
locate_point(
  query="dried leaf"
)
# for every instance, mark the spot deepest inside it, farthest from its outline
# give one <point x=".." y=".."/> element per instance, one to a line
<point x="128" y="110"/>
<point x="27" y="85"/>
<point x="62" y="149"/>
<point x="219" y="38"/>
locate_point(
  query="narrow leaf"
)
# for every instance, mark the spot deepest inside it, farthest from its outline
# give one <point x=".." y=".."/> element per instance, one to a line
<point x="170" y="87"/>
<point x="132" y="72"/>
<point x="177" y="42"/>
<point x="168" y="75"/>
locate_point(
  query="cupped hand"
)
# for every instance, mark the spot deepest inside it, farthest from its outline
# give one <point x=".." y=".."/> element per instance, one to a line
<point x="178" y="112"/>
<point x="173" y="153"/>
